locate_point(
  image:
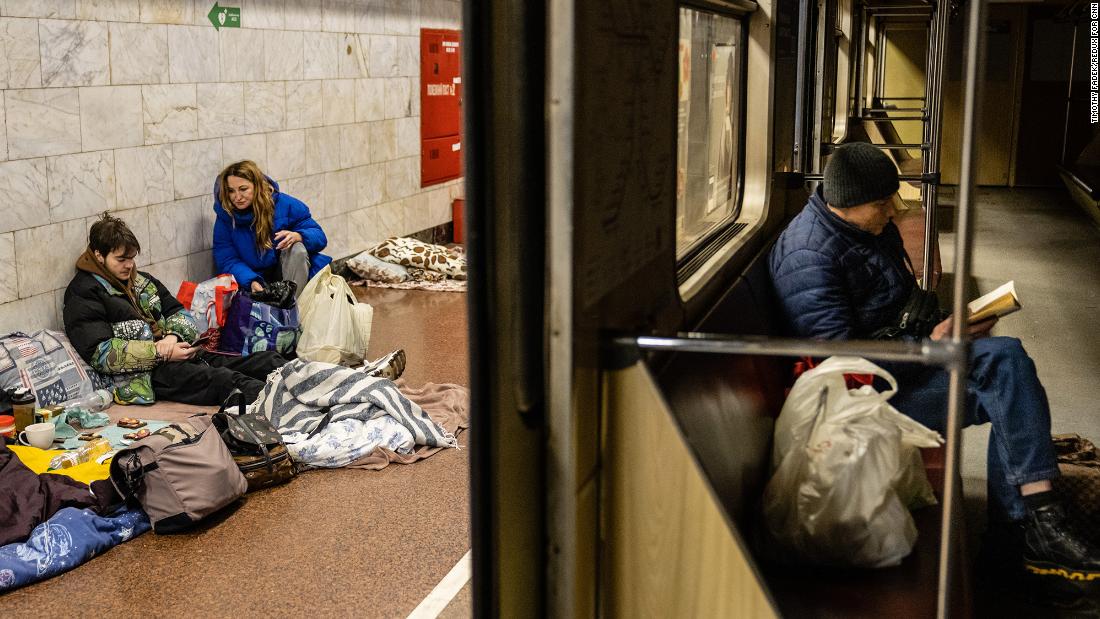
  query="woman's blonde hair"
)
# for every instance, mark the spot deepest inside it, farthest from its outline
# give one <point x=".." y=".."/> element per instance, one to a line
<point x="263" y="206"/>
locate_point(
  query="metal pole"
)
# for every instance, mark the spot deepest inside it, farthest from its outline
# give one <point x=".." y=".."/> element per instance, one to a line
<point x="861" y="83"/>
<point x="956" y="406"/>
<point x="931" y="165"/>
<point x="926" y="351"/>
<point x="800" y="150"/>
<point x="1069" y="92"/>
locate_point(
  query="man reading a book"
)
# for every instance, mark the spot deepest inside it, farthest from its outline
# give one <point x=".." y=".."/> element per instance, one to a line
<point x="841" y="272"/>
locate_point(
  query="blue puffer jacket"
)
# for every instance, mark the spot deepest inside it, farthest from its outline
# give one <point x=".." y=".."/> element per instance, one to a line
<point x="836" y="281"/>
<point x="235" y="250"/>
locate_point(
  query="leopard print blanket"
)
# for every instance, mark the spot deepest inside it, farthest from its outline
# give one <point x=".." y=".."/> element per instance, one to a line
<point x="416" y="254"/>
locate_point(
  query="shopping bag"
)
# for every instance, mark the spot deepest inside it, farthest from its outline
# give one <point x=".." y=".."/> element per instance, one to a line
<point x="846" y="472"/>
<point x="209" y="301"/>
<point x="251" y="326"/>
<point x="335" y="326"/>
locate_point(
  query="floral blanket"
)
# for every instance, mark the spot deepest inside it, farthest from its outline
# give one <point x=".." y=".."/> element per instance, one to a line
<point x="68" y="539"/>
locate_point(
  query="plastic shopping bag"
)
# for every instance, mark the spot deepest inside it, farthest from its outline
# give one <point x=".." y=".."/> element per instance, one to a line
<point x="208" y="301"/>
<point x="846" y="472"/>
<point x="335" y="326"/>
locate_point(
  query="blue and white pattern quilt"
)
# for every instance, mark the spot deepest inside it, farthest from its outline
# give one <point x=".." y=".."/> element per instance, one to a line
<point x="69" y="538"/>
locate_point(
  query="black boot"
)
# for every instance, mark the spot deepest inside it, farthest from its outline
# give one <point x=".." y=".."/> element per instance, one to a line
<point x="1052" y="548"/>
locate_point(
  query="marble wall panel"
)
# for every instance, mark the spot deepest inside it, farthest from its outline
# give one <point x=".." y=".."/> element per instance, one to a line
<point x="208" y="218"/>
<point x="111" y="117"/>
<point x="439" y="206"/>
<point x="417" y="215"/>
<point x="20" y="59"/>
<point x="408" y="56"/>
<point x="167" y="11"/>
<point x="336" y="231"/>
<point x="263" y="14"/>
<point x="353" y="56"/>
<point x="143" y="176"/>
<point x="44" y="256"/>
<point x="382" y="56"/>
<point x="51" y="9"/>
<point x="338" y="101"/>
<point x="382" y="139"/>
<point x="370" y="17"/>
<point x="402" y="16"/>
<point x="176" y="229"/>
<point x="363" y="231"/>
<point x="42" y="122"/>
<point x="193" y="54"/>
<point x="286" y="154"/>
<point x="242" y="55"/>
<point x="283" y="51"/>
<point x="170" y="112"/>
<point x="251" y="147"/>
<point x="398" y="103"/>
<point x="172" y="272"/>
<point x="108" y="10"/>
<point x="311" y="191"/>
<point x="406" y="137"/>
<point x="137" y="219"/>
<point x="391" y="219"/>
<point x="402" y="178"/>
<point x="337" y="15"/>
<point x="3" y="129"/>
<point x="340" y="192"/>
<point x="323" y="149"/>
<point x="370" y="99"/>
<point x="81" y="185"/>
<point x="26" y="197"/>
<point x="265" y="107"/>
<point x="221" y="109"/>
<point x="322" y="55"/>
<point x="370" y="184"/>
<point x="303" y="15"/>
<point x="74" y="53"/>
<point x="32" y="314"/>
<point x="195" y="165"/>
<point x="303" y="104"/>
<point x="9" y="278"/>
<point x="200" y="266"/>
<point x="355" y="145"/>
<point x="139" y="53"/>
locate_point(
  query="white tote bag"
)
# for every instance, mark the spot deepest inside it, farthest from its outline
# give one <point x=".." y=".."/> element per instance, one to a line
<point x="335" y="326"/>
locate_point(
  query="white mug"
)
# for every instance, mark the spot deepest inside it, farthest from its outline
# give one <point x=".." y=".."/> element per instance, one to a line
<point x="38" y="435"/>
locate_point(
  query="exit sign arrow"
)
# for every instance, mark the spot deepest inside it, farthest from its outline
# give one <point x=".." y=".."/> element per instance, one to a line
<point x="224" y="16"/>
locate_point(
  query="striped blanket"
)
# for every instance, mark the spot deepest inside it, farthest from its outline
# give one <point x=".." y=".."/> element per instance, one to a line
<point x="299" y="396"/>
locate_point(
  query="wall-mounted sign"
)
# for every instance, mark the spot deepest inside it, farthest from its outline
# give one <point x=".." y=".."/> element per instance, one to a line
<point x="225" y="16"/>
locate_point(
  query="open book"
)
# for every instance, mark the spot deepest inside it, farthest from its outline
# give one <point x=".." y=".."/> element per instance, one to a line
<point x="1000" y="302"/>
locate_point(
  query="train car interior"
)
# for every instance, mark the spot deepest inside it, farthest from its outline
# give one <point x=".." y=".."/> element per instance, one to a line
<point x="617" y="180"/>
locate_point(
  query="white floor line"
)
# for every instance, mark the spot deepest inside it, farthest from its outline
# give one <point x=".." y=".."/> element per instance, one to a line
<point x="445" y="591"/>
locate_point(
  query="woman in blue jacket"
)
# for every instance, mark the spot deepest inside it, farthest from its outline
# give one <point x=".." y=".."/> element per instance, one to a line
<point x="262" y="235"/>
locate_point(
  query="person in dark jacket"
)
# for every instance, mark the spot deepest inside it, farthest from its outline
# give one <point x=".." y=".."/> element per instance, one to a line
<point x="262" y="235"/>
<point x="841" y="272"/>
<point x="127" y="325"/>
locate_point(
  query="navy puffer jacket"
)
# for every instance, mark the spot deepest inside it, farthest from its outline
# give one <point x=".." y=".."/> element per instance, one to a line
<point x="836" y="281"/>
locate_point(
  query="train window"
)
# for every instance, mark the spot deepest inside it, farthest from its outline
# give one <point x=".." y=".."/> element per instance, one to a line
<point x="710" y="129"/>
<point x="842" y="33"/>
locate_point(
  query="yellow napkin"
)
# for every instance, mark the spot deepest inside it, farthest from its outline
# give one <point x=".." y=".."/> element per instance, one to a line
<point x="38" y="460"/>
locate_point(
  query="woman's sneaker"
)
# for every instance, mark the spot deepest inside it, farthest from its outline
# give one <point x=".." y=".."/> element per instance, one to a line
<point x="390" y="366"/>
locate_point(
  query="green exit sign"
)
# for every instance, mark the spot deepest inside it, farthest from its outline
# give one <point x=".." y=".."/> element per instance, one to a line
<point x="225" y="16"/>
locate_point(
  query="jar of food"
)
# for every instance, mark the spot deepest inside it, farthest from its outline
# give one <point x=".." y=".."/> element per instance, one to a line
<point x="22" y="405"/>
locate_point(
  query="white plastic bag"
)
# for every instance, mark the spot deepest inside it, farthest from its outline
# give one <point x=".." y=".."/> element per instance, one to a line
<point x="846" y="472"/>
<point x="335" y="326"/>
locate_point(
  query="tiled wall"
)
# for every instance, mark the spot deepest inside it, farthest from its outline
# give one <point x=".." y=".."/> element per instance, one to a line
<point x="134" y="106"/>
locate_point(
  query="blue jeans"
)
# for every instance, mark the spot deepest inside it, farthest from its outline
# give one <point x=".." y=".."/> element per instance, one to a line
<point x="1002" y="389"/>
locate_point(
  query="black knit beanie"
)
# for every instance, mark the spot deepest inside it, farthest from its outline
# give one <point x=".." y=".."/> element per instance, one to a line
<point x="858" y="173"/>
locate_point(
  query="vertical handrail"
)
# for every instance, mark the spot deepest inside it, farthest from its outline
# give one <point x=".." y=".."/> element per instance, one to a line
<point x="972" y="87"/>
<point x="931" y="164"/>
<point x="861" y="77"/>
<point x="1069" y="91"/>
